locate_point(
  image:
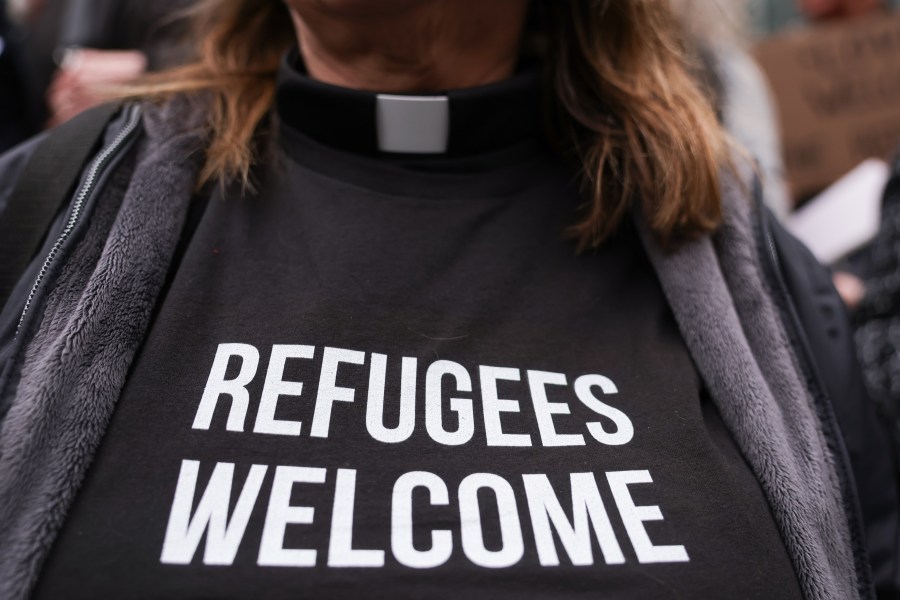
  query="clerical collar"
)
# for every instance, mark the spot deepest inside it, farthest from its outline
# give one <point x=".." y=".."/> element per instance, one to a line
<point x="448" y="123"/>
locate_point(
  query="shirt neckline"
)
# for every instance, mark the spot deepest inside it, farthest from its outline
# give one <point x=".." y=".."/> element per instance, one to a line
<point x="495" y="145"/>
<point x="481" y="119"/>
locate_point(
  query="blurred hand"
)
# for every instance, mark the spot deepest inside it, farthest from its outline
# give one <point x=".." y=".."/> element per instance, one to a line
<point x="850" y="288"/>
<point x="85" y="75"/>
<point x="831" y="9"/>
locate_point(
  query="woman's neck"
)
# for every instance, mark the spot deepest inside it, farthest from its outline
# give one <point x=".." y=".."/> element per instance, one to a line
<point x="409" y="45"/>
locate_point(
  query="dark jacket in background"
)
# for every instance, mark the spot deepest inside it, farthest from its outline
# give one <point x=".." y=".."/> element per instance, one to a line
<point x="877" y="319"/>
<point x="15" y="122"/>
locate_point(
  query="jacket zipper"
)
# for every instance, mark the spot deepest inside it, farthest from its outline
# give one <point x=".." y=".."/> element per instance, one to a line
<point x="826" y="413"/>
<point x="92" y="176"/>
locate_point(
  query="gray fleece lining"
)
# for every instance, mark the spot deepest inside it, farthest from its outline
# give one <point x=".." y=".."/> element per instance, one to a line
<point x="76" y="364"/>
<point x="99" y="312"/>
<point x="739" y="345"/>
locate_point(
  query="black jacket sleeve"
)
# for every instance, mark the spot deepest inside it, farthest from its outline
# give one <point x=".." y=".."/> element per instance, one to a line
<point x="826" y="325"/>
<point x="12" y="164"/>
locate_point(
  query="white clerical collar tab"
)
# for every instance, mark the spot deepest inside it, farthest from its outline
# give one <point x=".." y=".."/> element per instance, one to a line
<point x="412" y="124"/>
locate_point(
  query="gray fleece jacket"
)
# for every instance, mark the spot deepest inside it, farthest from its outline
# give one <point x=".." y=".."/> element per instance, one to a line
<point x="74" y="348"/>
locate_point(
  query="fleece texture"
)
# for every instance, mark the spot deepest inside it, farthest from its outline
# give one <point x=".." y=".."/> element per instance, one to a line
<point x="732" y="329"/>
<point x="74" y="367"/>
<point x="98" y="313"/>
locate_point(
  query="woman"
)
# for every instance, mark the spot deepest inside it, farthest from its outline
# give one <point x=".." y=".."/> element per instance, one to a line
<point x="342" y="322"/>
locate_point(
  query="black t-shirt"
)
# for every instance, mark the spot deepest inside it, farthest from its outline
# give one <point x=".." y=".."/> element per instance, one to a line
<point x="391" y="376"/>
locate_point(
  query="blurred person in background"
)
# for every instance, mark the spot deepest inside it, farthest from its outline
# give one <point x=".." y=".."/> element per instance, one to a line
<point x="771" y="15"/>
<point x="72" y="51"/>
<point x="430" y="298"/>
<point x="13" y="108"/>
<point x="821" y="10"/>
<point x="104" y="43"/>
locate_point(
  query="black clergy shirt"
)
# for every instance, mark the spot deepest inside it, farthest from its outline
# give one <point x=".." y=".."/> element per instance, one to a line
<point x="388" y="375"/>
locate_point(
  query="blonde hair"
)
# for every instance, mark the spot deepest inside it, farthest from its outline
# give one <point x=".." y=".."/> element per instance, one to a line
<point x="624" y="105"/>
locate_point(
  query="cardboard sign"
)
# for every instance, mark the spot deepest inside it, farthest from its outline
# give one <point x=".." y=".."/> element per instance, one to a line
<point x="845" y="216"/>
<point x="837" y="89"/>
